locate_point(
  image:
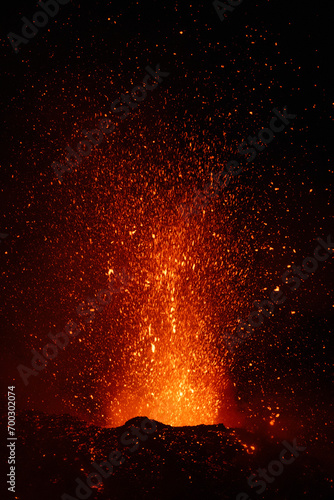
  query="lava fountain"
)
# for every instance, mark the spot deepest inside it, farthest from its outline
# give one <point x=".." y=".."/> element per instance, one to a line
<point x="173" y="365"/>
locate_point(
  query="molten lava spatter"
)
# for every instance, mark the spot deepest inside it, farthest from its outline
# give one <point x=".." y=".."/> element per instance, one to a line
<point x="175" y="372"/>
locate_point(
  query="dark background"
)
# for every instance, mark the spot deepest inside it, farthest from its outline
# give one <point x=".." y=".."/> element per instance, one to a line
<point x="225" y="79"/>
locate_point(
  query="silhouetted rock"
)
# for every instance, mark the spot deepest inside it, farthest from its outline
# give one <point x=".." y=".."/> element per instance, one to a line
<point x="201" y="462"/>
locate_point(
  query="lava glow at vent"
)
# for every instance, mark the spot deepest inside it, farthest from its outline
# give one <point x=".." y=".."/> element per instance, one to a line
<point x="175" y="373"/>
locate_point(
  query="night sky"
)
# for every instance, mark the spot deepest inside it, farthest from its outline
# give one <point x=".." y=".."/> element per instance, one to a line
<point x="189" y="280"/>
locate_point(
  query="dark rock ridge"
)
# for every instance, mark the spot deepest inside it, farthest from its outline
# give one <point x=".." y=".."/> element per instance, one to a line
<point x="175" y="463"/>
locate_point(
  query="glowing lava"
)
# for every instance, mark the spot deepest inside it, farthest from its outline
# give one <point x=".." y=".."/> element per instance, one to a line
<point x="174" y="370"/>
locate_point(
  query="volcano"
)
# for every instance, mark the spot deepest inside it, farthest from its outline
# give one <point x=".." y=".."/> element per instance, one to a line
<point x="56" y="453"/>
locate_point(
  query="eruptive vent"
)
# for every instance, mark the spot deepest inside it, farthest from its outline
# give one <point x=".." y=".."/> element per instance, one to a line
<point x="172" y="362"/>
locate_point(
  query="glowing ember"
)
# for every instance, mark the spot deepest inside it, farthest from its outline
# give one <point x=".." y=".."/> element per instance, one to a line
<point x="172" y="368"/>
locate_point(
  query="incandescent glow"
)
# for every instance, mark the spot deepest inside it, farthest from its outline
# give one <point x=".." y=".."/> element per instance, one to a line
<point x="172" y="369"/>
